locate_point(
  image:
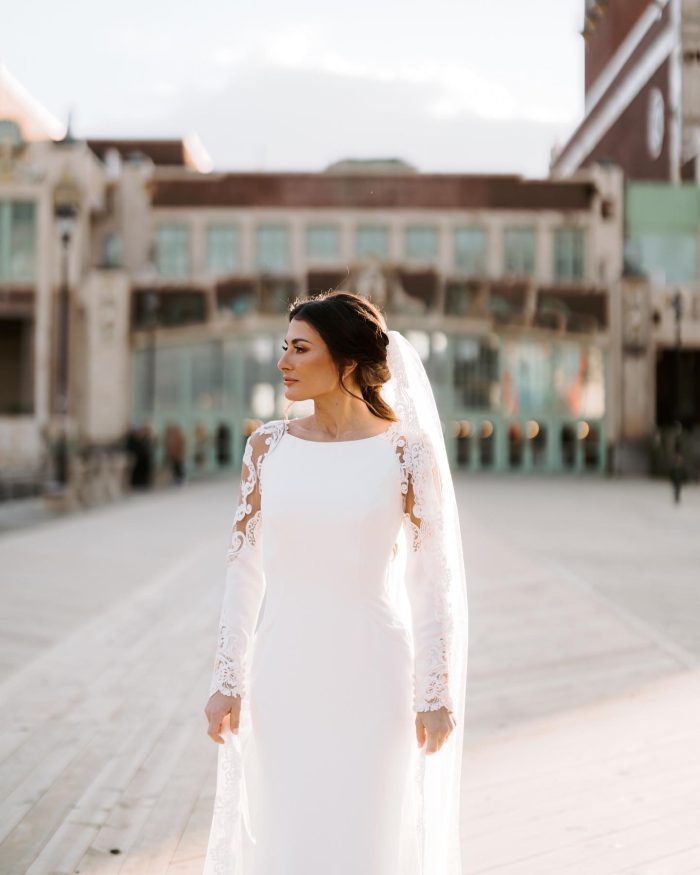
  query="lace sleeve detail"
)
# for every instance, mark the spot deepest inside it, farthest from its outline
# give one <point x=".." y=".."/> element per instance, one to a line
<point x="427" y="573"/>
<point x="245" y="581"/>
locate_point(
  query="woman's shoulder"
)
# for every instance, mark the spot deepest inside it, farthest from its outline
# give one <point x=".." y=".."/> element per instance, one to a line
<point x="266" y="435"/>
<point x="270" y="425"/>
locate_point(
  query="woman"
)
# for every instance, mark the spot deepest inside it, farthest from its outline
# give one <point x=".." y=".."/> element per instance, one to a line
<point x="337" y="711"/>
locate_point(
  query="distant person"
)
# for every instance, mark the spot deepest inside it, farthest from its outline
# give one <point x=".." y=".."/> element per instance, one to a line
<point x="223" y="444"/>
<point x="678" y="475"/>
<point x="139" y="446"/>
<point x="201" y="442"/>
<point x="175" y="446"/>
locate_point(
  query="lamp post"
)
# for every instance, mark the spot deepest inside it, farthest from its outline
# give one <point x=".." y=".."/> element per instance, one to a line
<point x="66" y="199"/>
<point x="152" y="303"/>
<point x="677" y="304"/>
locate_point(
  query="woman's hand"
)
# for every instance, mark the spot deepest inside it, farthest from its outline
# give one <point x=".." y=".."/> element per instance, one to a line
<point x="436" y="726"/>
<point x="217" y="709"/>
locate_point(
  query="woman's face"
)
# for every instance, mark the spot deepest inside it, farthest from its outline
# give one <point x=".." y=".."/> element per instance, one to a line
<point x="306" y="363"/>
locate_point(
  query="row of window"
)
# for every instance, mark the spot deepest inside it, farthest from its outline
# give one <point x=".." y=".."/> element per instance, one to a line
<point x="323" y="245"/>
<point x="273" y="247"/>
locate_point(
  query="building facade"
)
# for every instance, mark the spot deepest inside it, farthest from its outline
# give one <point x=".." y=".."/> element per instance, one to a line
<point x="178" y="280"/>
<point x="642" y="113"/>
<point x="642" y="90"/>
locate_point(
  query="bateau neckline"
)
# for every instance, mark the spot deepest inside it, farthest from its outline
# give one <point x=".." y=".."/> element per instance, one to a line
<point x="355" y="441"/>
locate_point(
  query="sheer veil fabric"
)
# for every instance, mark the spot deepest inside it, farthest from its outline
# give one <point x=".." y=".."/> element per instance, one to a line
<point x="410" y="395"/>
<point x="427" y="589"/>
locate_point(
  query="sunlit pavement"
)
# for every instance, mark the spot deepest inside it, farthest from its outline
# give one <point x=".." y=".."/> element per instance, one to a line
<point x="583" y="707"/>
<point x="583" y="712"/>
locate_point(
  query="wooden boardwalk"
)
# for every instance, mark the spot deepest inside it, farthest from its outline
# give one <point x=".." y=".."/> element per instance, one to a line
<point x="583" y="718"/>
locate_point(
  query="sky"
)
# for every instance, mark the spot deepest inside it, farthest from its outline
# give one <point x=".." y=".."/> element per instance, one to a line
<point x="447" y="85"/>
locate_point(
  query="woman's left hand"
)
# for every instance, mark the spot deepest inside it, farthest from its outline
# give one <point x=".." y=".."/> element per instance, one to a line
<point x="435" y="726"/>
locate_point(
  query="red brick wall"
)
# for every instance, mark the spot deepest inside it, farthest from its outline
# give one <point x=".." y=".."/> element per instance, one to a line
<point x="616" y="21"/>
<point x="631" y="152"/>
<point x="411" y="191"/>
<point x="626" y="141"/>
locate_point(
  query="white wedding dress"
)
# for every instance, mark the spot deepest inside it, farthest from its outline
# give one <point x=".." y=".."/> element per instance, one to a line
<point x="325" y="776"/>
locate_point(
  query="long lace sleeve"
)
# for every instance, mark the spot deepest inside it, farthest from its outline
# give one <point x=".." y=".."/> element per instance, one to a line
<point x="245" y="582"/>
<point x="427" y="574"/>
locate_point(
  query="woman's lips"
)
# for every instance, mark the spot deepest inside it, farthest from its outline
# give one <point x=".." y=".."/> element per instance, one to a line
<point x="289" y="381"/>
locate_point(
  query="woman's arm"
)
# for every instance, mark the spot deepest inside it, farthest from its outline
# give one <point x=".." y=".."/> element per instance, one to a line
<point x="243" y="593"/>
<point x="427" y="583"/>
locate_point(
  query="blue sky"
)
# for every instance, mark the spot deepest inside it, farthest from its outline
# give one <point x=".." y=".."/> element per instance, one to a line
<point x="446" y="84"/>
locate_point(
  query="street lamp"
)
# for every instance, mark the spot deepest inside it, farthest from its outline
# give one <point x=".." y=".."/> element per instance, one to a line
<point x="152" y="303"/>
<point x="66" y="203"/>
<point x="677" y="304"/>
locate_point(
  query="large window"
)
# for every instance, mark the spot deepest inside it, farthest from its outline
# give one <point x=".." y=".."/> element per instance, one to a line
<point x="223" y="249"/>
<point x="470" y="251"/>
<point x="569" y="254"/>
<point x="17" y="240"/>
<point x="272" y="248"/>
<point x="519" y="251"/>
<point x="421" y="243"/>
<point x="372" y="240"/>
<point x="666" y="257"/>
<point x="173" y="250"/>
<point x="475" y="372"/>
<point x="322" y="243"/>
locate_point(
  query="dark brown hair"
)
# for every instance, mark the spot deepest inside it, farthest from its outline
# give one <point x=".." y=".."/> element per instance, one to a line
<point x="352" y="327"/>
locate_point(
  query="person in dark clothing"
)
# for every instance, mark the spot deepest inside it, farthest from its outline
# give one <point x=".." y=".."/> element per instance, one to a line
<point x="175" y="452"/>
<point x="139" y="446"/>
<point x="678" y="476"/>
<point x="223" y="444"/>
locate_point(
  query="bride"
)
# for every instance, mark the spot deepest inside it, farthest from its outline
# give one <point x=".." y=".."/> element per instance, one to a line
<point x="338" y="690"/>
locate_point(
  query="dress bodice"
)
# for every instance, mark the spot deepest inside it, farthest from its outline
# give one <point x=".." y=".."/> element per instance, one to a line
<point x="332" y="512"/>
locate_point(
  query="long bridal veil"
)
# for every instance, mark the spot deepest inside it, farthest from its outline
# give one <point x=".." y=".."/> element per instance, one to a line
<point x="410" y="395"/>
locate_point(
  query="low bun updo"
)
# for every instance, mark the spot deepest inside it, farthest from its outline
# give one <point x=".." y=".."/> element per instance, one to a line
<point x="353" y="329"/>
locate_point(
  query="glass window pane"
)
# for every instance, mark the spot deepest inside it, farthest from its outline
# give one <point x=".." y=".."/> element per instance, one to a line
<point x="475" y="372"/>
<point x="112" y="250"/>
<point x="669" y="257"/>
<point x="470" y="250"/>
<point x="569" y="257"/>
<point x="223" y="249"/>
<point x="172" y="250"/>
<point x="322" y="243"/>
<point x="168" y="372"/>
<point x="272" y="248"/>
<point x="421" y="243"/>
<point x="519" y="251"/>
<point x="23" y="240"/>
<point x="207" y="375"/>
<point x="372" y="240"/>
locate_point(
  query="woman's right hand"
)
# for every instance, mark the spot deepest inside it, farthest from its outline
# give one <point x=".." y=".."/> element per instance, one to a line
<point x="217" y="709"/>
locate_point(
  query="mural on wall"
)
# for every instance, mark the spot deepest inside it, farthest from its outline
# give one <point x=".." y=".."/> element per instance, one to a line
<point x="564" y="379"/>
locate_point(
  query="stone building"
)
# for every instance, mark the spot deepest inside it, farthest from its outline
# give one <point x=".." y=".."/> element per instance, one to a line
<point x="176" y="281"/>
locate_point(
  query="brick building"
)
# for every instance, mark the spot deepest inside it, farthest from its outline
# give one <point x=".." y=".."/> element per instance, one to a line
<point x="642" y="90"/>
<point x="642" y="113"/>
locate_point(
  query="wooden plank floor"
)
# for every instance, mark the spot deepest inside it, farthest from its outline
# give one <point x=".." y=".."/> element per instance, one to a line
<point x="582" y="716"/>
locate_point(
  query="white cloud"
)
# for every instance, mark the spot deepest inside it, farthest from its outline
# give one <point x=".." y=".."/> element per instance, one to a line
<point x="456" y="88"/>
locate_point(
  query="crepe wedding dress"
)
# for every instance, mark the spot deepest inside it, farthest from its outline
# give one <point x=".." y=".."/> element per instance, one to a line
<point x="344" y="612"/>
